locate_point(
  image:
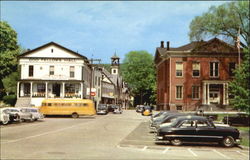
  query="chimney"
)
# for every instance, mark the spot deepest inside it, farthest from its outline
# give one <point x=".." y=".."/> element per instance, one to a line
<point x="168" y="45"/>
<point x="162" y="44"/>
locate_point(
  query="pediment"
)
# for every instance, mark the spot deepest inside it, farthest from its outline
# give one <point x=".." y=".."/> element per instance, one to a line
<point x="51" y="50"/>
<point x="215" y="45"/>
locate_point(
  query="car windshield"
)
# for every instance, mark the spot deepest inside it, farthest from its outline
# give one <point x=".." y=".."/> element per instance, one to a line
<point x="13" y="110"/>
<point x="102" y="107"/>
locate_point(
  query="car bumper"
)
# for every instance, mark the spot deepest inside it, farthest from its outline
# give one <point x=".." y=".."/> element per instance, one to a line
<point x="238" y="141"/>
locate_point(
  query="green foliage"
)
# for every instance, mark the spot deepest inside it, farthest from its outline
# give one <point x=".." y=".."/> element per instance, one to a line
<point x="9" y="51"/>
<point x="239" y="87"/>
<point x="10" y="83"/>
<point x="139" y="72"/>
<point x="8" y="40"/>
<point x="223" y="20"/>
<point x="11" y="100"/>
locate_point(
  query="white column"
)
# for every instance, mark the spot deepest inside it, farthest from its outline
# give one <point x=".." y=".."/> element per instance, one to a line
<point x="46" y="90"/>
<point x="63" y="89"/>
<point x="224" y="94"/>
<point x="17" y="92"/>
<point x="81" y="90"/>
<point x="31" y="89"/>
<point x="204" y="94"/>
<point x="208" y="101"/>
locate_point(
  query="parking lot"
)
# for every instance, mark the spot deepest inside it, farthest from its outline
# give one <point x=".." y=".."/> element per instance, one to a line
<point x="142" y="140"/>
<point x="113" y="136"/>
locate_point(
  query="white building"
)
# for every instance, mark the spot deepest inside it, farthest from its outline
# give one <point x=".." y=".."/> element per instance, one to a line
<point x="52" y="71"/>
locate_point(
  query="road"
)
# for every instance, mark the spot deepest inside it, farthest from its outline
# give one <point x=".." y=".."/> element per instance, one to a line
<point x="111" y="136"/>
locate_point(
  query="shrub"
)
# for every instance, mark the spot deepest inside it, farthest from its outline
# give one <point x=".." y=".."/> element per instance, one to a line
<point x="10" y="99"/>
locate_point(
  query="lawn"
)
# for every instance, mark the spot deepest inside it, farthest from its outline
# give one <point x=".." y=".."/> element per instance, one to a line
<point x="245" y="135"/>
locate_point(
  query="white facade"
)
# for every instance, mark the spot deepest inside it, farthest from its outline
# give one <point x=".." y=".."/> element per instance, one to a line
<point x="52" y="71"/>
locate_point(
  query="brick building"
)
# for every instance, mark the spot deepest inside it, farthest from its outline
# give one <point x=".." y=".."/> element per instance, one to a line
<point x="194" y="75"/>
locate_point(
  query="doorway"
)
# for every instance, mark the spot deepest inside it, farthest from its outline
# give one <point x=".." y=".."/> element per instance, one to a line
<point x="56" y="90"/>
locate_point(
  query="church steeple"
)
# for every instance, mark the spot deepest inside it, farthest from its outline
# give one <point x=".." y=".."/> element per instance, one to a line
<point x="115" y="64"/>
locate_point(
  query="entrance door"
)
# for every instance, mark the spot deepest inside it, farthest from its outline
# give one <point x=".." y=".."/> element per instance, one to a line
<point x="26" y="89"/>
<point x="214" y="97"/>
<point x="56" y="90"/>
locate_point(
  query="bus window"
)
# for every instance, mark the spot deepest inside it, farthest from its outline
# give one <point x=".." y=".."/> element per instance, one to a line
<point x="49" y="104"/>
<point x="43" y="104"/>
<point x="85" y="104"/>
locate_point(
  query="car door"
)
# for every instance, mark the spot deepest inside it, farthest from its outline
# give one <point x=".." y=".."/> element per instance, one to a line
<point x="205" y="131"/>
<point x="186" y="130"/>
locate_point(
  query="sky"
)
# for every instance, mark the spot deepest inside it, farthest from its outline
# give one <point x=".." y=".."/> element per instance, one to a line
<point x="98" y="29"/>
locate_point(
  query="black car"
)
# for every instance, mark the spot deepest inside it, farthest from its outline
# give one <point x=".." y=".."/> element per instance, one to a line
<point x="102" y="109"/>
<point x="197" y="129"/>
<point x="240" y="119"/>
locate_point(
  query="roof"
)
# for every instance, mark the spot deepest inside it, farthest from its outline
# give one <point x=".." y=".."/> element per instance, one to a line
<point x="52" y="43"/>
<point x="212" y="47"/>
<point x="115" y="56"/>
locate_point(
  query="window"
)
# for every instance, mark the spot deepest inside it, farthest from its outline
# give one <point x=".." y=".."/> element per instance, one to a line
<point x="195" y="92"/>
<point x="40" y="87"/>
<point x="179" y="107"/>
<point x="179" y="69"/>
<point x="231" y="68"/>
<point x="31" y="71"/>
<point x="51" y="70"/>
<point x="214" y="69"/>
<point x="95" y="80"/>
<point x="70" y="88"/>
<point x="188" y="124"/>
<point x="196" y="69"/>
<point x="72" y="71"/>
<point x="179" y="92"/>
<point x="202" y="124"/>
<point x="114" y="71"/>
<point x="99" y="81"/>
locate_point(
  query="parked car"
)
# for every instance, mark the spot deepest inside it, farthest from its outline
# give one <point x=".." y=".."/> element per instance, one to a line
<point x="4" y="116"/>
<point x="167" y="119"/>
<point x="147" y="111"/>
<point x="117" y="109"/>
<point x="197" y="129"/>
<point x="35" y="114"/>
<point x="139" y="108"/>
<point x="102" y="109"/>
<point x="14" y="114"/>
<point x="239" y="119"/>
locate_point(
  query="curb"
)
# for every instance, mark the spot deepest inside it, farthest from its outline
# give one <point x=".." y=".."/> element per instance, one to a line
<point x="243" y="147"/>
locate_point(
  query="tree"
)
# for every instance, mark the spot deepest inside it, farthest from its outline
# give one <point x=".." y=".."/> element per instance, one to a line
<point x="239" y="87"/>
<point x="224" y="20"/>
<point x="139" y="72"/>
<point x="10" y="83"/>
<point x="9" y="51"/>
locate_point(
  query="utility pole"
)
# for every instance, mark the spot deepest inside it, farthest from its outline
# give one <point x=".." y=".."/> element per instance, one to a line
<point x="91" y="74"/>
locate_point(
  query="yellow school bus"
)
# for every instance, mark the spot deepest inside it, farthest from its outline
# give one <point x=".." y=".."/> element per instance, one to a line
<point x="73" y="107"/>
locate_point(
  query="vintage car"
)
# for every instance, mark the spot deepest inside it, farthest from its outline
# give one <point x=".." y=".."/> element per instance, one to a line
<point x="35" y="114"/>
<point x="139" y="108"/>
<point x="158" y="120"/>
<point x="14" y="113"/>
<point x="19" y="114"/>
<point x="117" y="109"/>
<point x="239" y="119"/>
<point x="146" y="111"/>
<point x="102" y="109"/>
<point x="197" y="129"/>
<point x="4" y="116"/>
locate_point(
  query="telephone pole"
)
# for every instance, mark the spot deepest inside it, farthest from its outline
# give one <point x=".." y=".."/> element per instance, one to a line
<point x="91" y="74"/>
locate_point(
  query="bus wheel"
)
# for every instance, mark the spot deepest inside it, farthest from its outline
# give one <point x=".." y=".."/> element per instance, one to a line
<point x="75" y="115"/>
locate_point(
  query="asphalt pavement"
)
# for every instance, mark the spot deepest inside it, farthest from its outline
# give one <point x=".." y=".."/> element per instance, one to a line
<point x="111" y="136"/>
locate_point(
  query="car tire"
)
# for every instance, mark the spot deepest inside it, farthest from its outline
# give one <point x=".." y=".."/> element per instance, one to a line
<point x="228" y="141"/>
<point x="4" y="122"/>
<point x="75" y="115"/>
<point x="176" y="142"/>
